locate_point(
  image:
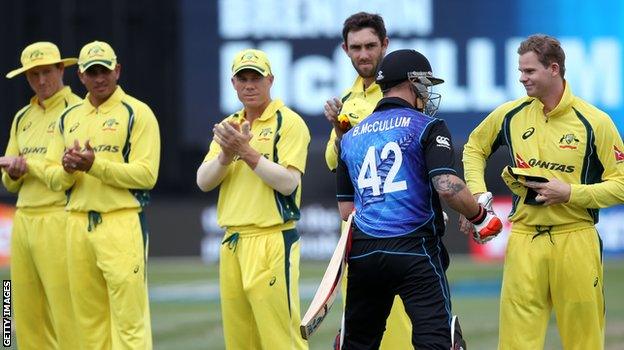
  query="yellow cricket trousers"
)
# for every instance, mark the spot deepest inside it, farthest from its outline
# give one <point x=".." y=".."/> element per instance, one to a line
<point x="259" y="285"/>
<point x="107" y="258"/>
<point x="560" y="269"/>
<point x="43" y="311"/>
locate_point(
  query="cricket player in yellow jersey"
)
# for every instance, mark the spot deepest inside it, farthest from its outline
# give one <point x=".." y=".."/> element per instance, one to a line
<point x="105" y="153"/>
<point x="554" y="254"/>
<point x="257" y="157"/>
<point x="365" y="42"/>
<point x="43" y="313"/>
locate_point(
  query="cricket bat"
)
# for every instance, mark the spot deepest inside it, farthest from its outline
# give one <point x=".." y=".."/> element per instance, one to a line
<point x="329" y="287"/>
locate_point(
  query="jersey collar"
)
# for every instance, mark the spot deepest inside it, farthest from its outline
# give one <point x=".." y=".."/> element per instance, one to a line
<point x="109" y="104"/>
<point x="564" y="104"/>
<point x="268" y="112"/>
<point x="358" y="86"/>
<point x="52" y="101"/>
<point x="389" y="102"/>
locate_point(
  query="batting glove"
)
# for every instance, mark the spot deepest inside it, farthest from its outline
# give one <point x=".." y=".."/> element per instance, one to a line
<point x="486" y="224"/>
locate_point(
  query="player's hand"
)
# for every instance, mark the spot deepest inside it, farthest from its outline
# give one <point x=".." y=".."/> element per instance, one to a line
<point x="87" y="156"/>
<point x="76" y="159"/>
<point x="16" y="167"/>
<point x="554" y="191"/>
<point x="340" y="122"/>
<point x="465" y="226"/>
<point x="5" y="161"/>
<point x="486" y="225"/>
<point x="231" y="137"/>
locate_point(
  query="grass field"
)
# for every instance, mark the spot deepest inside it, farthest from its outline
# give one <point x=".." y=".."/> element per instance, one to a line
<point x="186" y="314"/>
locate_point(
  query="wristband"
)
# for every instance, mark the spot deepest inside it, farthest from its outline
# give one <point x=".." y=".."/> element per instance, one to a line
<point x="477" y="219"/>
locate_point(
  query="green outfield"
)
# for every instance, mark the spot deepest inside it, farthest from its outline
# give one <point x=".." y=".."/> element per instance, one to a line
<point x="186" y="314"/>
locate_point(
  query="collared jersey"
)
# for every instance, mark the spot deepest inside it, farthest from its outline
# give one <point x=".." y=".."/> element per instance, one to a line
<point x="385" y="167"/>
<point x="281" y="136"/>
<point x="357" y="104"/>
<point x="124" y="134"/>
<point x="575" y="142"/>
<point x="31" y="131"/>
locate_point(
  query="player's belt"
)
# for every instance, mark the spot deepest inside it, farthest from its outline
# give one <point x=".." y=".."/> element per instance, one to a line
<point x="553" y="229"/>
<point x="95" y="218"/>
<point x="252" y="230"/>
<point x="41" y="210"/>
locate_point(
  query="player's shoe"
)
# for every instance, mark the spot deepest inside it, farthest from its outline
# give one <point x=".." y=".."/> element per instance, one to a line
<point x="457" y="340"/>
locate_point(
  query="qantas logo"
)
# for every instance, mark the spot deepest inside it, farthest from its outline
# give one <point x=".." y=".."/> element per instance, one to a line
<point x="538" y="163"/>
<point x="106" y="148"/>
<point x="36" y="150"/>
<point x="619" y="155"/>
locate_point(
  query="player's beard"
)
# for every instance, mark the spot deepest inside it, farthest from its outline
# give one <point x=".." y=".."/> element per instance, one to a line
<point x="366" y="72"/>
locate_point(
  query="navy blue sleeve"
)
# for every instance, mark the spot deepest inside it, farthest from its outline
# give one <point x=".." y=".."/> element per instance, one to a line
<point x="344" y="187"/>
<point x="438" y="149"/>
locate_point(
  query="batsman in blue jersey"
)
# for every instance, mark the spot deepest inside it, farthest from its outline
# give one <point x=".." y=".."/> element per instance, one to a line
<point x="393" y="169"/>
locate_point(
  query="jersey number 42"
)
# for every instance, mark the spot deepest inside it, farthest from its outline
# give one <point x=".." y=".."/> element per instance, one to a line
<point x="371" y="173"/>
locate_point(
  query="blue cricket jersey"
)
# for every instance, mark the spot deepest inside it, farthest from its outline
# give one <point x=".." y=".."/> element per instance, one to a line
<point x="389" y="159"/>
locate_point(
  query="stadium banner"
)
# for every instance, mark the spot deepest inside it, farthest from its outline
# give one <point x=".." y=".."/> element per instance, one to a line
<point x="476" y="58"/>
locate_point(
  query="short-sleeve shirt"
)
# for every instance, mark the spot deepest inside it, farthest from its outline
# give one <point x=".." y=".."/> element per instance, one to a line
<point x="281" y="136"/>
<point x="386" y="165"/>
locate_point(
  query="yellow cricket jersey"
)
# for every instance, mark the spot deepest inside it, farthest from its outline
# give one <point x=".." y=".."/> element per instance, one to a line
<point x="357" y="103"/>
<point x="281" y="136"/>
<point x="31" y="131"/>
<point x="124" y="134"/>
<point x="575" y="143"/>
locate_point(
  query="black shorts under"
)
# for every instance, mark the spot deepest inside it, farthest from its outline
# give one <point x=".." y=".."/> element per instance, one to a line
<point x="413" y="268"/>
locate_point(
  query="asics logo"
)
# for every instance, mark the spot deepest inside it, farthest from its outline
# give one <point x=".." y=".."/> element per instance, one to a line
<point x="74" y="127"/>
<point x="528" y="133"/>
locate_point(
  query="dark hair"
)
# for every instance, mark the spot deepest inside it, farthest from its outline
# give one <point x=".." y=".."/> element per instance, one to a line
<point x="547" y="49"/>
<point x="363" y="20"/>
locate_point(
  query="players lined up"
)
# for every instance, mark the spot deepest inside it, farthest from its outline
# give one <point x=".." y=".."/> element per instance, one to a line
<point x="79" y="241"/>
<point x="102" y="156"/>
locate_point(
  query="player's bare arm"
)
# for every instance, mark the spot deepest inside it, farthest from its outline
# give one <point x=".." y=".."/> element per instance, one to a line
<point x="486" y="225"/>
<point x="552" y="192"/>
<point x="455" y="193"/>
<point x="465" y="226"/>
<point x="345" y="209"/>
